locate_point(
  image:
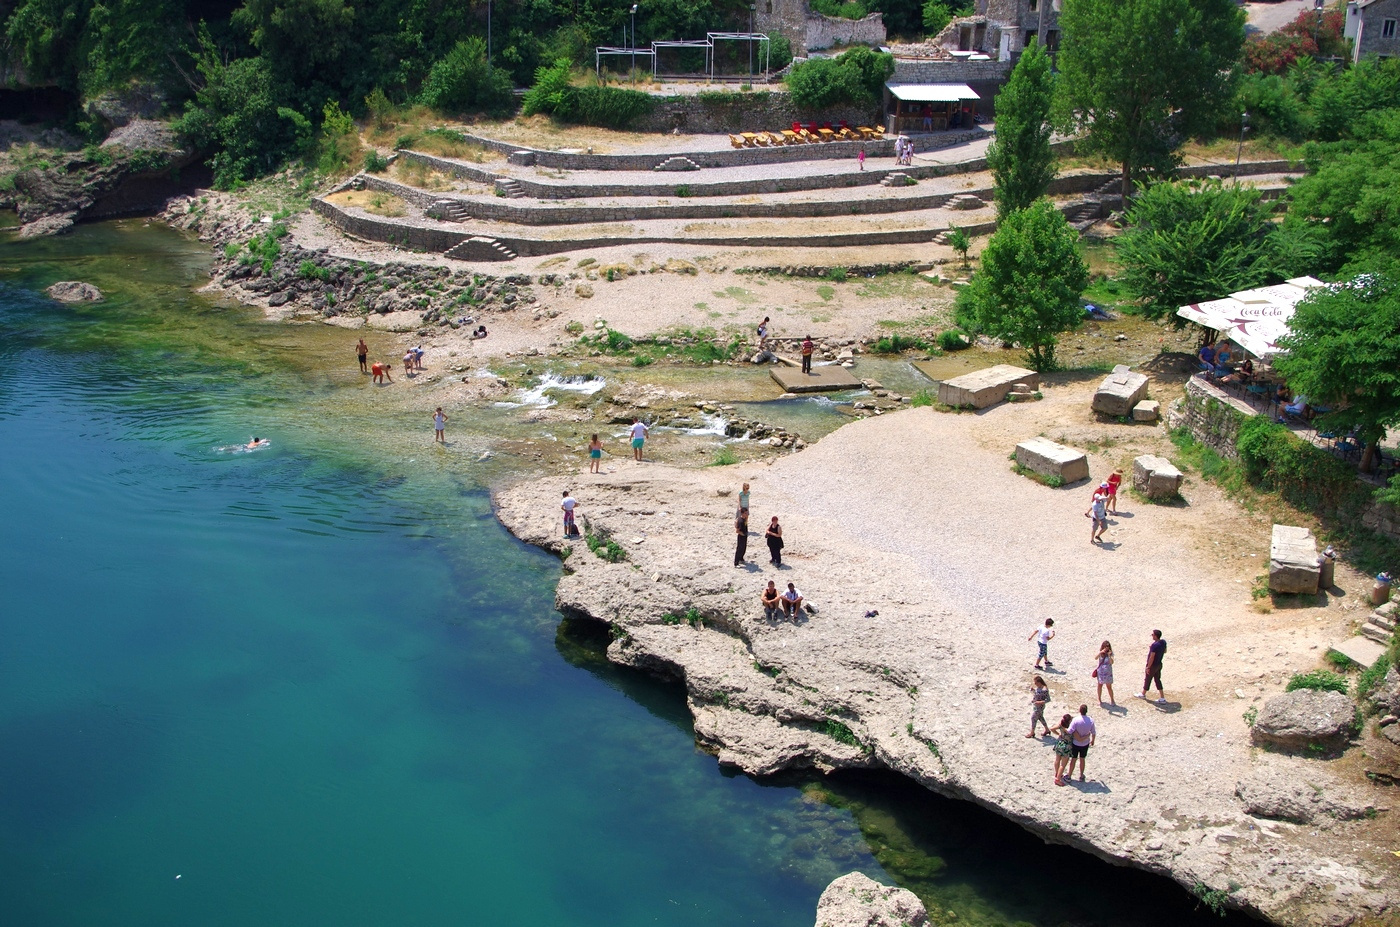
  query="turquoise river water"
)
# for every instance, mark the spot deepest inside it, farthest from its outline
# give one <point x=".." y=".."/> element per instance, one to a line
<point x="319" y="685"/>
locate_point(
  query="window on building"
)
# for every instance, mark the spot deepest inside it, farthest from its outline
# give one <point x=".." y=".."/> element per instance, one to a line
<point x="1029" y="35"/>
<point x="1035" y="6"/>
<point x="1387" y="28"/>
<point x="1052" y="40"/>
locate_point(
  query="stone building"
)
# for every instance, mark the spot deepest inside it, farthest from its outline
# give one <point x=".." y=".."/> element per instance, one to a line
<point x="1001" y="29"/>
<point x="1374" y="28"/>
<point x="809" y="31"/>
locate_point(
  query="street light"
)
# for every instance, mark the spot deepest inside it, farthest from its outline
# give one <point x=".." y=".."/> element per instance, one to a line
<point x="1244" y="127"/>
<point x="752" y="6"/>
<point x="1317" y="32"/>
<point x="634" y="43"/>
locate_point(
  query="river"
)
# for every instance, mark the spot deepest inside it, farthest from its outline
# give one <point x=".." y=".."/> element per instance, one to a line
<point x="319" y="684"/>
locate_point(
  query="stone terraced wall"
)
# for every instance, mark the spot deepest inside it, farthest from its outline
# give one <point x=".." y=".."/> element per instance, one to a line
<point x="391" y="231"/>
<point x="762" y="111"/>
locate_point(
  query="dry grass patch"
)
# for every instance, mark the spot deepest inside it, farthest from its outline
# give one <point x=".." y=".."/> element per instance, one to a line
<point x="417" y="174"/>
<point x="380" y="204"/>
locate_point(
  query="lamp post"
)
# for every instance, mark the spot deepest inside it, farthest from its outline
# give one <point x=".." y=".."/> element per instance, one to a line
<point x="634" y="43"/>
<point x="749" y="43"/>
<point x="1317" y="31"/>
<point x="1244" y="127"/>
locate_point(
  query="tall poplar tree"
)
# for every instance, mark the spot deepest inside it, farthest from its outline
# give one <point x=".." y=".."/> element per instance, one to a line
<point x="1020" y="156"/>
<point x="1141" y="76"/>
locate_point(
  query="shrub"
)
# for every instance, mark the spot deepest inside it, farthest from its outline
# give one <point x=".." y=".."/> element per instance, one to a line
<point x="779" y="51"/>
<point x="1319" y="681"/>
<point x="954" y="339"/>
<point x="1372" y="677"/>
<point x="857" y="77"/>
<point x="463" y="81"/>
<point x="310" y="271"/>
<point x="375" y="163"/>
<point x="724" y="457"/>
<point x="338" y="142"/>
<point x="1304" y="475"/>
<point x="553" y="94"/>
<point x="924" y="397"/>
<point x="894" y="344"/>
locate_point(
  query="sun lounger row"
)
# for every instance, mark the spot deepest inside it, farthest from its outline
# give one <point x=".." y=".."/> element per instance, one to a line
<point x="809" y="134"/>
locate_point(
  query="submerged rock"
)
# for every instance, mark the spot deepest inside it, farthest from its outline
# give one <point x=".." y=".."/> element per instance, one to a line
<point x="73" y="291"/>
<point x="856" y="900"/>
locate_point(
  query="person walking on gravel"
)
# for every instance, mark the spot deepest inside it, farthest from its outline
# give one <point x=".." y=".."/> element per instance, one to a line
<point x="1042" y="638"/>
<point x="1115" y="479"/>
<point x="741" y="530"/>
<point x="1155" y="652"/>
<point x="1082" y="736"/>
<point x="1103" y="671"/>
<point x="1100" y="516"/>
<point x="639" y="431"/>
<point x="1040" y="697"/>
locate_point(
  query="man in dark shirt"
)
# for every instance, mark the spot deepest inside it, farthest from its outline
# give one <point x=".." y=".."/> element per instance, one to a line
<point x="741" y="529"/>
<point x="1155" y="652"/>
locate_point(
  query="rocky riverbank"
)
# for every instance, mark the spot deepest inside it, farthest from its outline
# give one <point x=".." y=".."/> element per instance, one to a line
<point x="915" y="656"/>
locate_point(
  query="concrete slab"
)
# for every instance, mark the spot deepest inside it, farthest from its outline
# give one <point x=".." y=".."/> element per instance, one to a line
<point x="1293" y="563"/>
<point x="829" y="378"/>
<point x="987" y="387"/>
<point x="1360" y="650"/>
<point x="1047" y="458"/>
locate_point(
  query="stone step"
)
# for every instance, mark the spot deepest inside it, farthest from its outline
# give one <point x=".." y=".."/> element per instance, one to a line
<point x="1361" y="650"/>
<point x="480" y="248"/>
<point x="1383" y="619"/>
<point x="677" y="163"/>
<point x="510" y="189"/>
<point x="966" y="201"/>
<point x="448" y="211"/>
<point x="1376" y="633"/>
<point x="896" y="179"/>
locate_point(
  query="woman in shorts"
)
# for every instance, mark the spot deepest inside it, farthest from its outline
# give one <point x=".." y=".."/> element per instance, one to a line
<point x="595" y="455"/>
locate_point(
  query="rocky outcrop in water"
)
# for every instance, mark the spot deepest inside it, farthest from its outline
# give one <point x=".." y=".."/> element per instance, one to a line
<point x="856" y="900"/>
<point x="73" y="291"/>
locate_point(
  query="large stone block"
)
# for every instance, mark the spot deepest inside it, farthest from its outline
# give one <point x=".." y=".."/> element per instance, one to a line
<point x="1299" y="719"/>
<point x="986" y="387"/>
<point x="1047" y="458"/>
<point x="1147" y="411"/>
<point x="1293" y="563"/>
<point x="1120" y="391"/>
<point x="1156" y="477"/>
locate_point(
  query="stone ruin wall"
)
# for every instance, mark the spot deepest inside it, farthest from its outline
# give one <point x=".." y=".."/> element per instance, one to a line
<point x="829" y="31"/>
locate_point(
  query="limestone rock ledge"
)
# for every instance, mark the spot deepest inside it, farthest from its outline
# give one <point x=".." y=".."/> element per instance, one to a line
<point x="908" y="691"/>
<point x="856" y="900"/>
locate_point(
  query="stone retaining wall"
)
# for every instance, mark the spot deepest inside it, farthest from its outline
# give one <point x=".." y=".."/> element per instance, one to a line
<point x="1212" y="416"/>
<point x="826" y="31"/>
<point x="763" y="111"/>
<point x="375" y="228"/>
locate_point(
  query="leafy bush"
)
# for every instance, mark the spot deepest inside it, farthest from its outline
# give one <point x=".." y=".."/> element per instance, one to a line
<point x="379" y="109"/>
<point x="724" y="457"/>
<point x="463" y="82"/>
<point x="894" y="344"/>
<point x="375" y="163"/>
<point x="779" y="51"/>
<point x="554" y="94"/>
<point x="1304" y="475"/>
<point x="308" y="270"/>
<point x="264" y="249"/>
<point x="338" y="142"/>
<point x="841" y="9"/>
<point x="1318" y="681"/>
<point x="1372" y="676"/>
<point x="954" y="339"/>
<point x="857" y="77"/>
<point x="924" y="397"/>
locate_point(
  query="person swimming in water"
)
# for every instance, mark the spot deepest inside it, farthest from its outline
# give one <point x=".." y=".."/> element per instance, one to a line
<point x="257" y="443"/>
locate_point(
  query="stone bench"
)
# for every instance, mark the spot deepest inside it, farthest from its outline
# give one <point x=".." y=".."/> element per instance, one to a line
<point x="987" y="387"/>
<point x="1293" y="563"/>
<point x="1156" y="477"/>
<point x="1119" y="392"/>
<point x="1043" y="456"/>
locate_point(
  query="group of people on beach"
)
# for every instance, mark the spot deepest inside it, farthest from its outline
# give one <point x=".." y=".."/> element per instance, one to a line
<point x="637" y="435"/>
<point x="1075" y="735"/>
<point x="379" y="370"/>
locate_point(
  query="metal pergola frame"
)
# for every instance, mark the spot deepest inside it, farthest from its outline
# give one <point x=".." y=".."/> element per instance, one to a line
<point x="708" y="43"/>
<point x="615" y="51"/>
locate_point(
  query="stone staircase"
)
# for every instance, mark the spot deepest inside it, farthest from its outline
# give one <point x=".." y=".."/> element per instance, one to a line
<point x="510" y="188"/>
<point x="1380" y="626"/>
<point x="966" y="201"/>
<point x="677" y="163"/>
<point x="896" y="179"/>
<point x="448" y="211"/>
<point x="480" y="248"/>
<point x="1083" y="214"/>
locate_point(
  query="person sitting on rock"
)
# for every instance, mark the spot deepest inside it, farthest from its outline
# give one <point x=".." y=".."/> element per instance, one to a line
<point x="792" y="602"/>
<point x="480" y="332"/>
<point x="769" y="599"/>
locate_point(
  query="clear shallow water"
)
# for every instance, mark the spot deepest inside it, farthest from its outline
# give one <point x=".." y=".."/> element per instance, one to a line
<point x="324" y="688"/>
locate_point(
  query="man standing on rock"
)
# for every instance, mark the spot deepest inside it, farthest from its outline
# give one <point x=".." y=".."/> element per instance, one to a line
<point x="807" y="348"/>
<point x="639" y="436"/>
<point x="741" y="531"/>
<point x="568" y="505"/>
<point x="1155" y="652"/>
<point x="1082" y="736"/>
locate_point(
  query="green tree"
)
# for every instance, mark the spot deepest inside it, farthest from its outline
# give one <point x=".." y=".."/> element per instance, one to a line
<point x="1140" y="76"/>
<point x="936" y="17"/>
<point x="1343" y="351"/>
<point x="1351" y="196"/>
<point x="463" y="82"/>
<point x="1020" y="156"/>
<point x="857" y="77"/>
<point x="1190" y="241"/>
<point x="236" y="114"/>
<point x="959" y="242"/>
<point x="1028" y="286"/>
